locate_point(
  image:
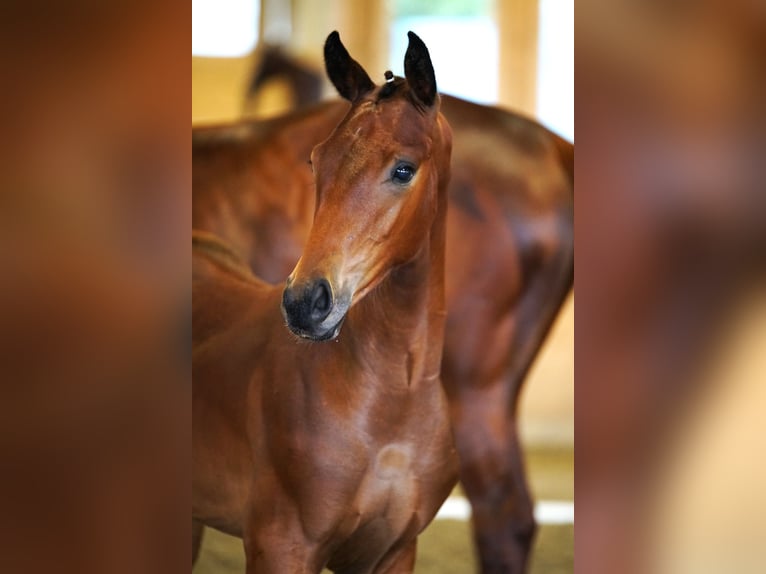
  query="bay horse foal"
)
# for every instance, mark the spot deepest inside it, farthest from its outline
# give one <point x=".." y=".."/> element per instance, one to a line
<point x="509" y="266"/>
<point x="335" y="454"/>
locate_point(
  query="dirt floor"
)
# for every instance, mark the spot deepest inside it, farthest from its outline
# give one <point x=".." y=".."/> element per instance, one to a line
<point x="445" y="546"/>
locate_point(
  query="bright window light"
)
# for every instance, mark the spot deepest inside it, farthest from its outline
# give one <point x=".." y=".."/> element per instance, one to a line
<point x="224" y="28"/>
<point x="446" y="28"/>
<point x="458" y="71"/>
<point x="555" y="67"/>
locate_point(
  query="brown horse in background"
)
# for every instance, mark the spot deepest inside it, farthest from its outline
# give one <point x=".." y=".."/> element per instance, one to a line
<point x="335" y="454"/>
<point x="509" y="268"/>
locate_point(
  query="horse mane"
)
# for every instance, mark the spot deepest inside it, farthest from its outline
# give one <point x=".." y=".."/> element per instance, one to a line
<point x="221" y="254"/>
<point x="391" y="86"/>
<point x="397" y="85"/>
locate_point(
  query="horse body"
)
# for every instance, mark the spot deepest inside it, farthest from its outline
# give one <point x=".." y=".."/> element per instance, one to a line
<point x="353" y="447"/>
<point x="509" y="267"/>
<point x="339" y="453"/>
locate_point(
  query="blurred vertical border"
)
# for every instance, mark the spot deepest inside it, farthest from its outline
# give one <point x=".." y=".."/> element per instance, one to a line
<point x="670" y="225"/>
<point x="95" y="168"/>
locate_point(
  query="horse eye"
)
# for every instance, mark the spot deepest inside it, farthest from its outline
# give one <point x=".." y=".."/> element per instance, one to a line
<point x="402" y="173"/>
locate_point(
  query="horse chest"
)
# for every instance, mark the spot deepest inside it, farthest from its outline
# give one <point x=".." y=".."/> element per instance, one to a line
<point x="384" y="510"/>
<point x="389" y="488"/>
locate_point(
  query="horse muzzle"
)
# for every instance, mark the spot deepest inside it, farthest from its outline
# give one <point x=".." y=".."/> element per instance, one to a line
<point x="312" y="311"/>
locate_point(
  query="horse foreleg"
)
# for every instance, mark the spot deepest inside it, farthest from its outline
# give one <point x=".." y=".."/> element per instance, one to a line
<point x="277" y="556"/>
<point x="197" y="530"/>
<point x="278" y="544"/>
<point x="402" y="561"/>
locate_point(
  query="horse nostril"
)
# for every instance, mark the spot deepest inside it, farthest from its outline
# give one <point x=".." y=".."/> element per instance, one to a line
<point x="321" y="300"/>
<point x="288" y="297"/>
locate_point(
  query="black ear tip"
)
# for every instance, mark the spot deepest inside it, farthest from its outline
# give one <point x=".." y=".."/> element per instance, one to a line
<point x="415" y="39"/>
<point x="333" y="39"/>
<point x="417" y="47"/>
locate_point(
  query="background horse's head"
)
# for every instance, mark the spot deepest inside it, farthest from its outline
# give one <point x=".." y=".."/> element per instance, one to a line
<point x="377" y="183"/>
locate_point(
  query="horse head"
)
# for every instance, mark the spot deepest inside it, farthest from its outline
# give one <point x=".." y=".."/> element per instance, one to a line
<point x="378" y="179"/>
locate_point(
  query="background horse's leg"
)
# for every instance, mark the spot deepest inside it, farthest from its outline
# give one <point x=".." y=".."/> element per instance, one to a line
<point x="402" y="562"/>
<point x="492" y="474"/>
<point x="483" y="382"/>
<point x="197" y="530"/>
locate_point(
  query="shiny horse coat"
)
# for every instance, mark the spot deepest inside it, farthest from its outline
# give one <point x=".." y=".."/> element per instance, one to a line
<point x="326" y="442"/>
<point x="509" y="267"/>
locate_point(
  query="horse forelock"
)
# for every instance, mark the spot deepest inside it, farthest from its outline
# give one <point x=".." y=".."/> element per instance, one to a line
<point x="398" y="86"/>
<point x="390" y="88"/>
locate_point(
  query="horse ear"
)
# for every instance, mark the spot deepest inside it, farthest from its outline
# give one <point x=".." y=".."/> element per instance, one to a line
<point x="348" y="77"/>
<point x="419" y="71"/>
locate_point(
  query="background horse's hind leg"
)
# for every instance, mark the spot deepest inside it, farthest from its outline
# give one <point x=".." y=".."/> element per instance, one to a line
<point x="197" y="530"/>
<point x="492" y="475"/>
<point x="483" y="386"/>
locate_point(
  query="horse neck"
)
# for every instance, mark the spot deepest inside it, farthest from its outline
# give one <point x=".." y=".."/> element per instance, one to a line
<point x="401" y="321"/>
<point x="307" y="128"/>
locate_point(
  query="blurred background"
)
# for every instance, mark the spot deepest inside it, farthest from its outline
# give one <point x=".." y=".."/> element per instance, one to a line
<point x="516" y="54"/>
<point x="670" y="218"/>
<point x="95" y="174"/>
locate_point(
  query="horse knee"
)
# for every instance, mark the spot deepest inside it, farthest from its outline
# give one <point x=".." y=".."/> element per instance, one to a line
<point x="524" y="526"/>
<point x="505" y="544"/>
<point x="491" y="463"/>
